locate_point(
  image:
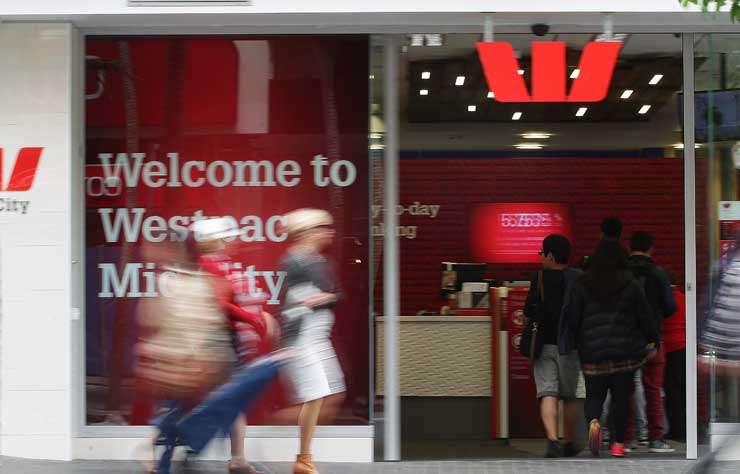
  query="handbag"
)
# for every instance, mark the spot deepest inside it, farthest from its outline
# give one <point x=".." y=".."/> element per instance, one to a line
<point x="530" y="345"/>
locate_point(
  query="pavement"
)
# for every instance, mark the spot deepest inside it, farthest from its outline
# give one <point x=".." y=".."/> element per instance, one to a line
<point x="531" y="466"/>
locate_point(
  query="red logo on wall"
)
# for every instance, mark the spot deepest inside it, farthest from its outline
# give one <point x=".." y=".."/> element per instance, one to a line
<point x="549" y="72"/>
<point x="24" y="171"/>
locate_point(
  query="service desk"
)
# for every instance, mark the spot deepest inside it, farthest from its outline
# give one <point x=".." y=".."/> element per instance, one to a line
<point x="440" y="356"/>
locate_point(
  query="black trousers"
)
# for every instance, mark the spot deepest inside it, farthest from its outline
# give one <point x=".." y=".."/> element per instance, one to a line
<point x="620" y="386"/>
<point x="674" y="385"/>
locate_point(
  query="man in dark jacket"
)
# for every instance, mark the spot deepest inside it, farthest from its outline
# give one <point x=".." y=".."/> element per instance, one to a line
<point x="555" y="372"/>
<point x="657" y="287"/>
<point x="610" y="229"/>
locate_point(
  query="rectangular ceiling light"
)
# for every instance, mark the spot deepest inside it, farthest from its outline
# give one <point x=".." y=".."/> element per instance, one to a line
<point x="417" y="40"/>
<point x="644" y="109"/>
<point x="626" y="94"/>
<point x="426" y="75"/>
<point x="460" y="80"/>
<point x="490" y="95"/>
<point x="472" y="108"/>
<point x="576" y="72"/>
<point x="581" y="111"/>
<point x="536" y="135"/>
<point x="516" y="116"/>
<point x="529" y="146"/>
<point x="424" y="92"/>
<point x="656" y="79"/>
<point x="434" y="39"/>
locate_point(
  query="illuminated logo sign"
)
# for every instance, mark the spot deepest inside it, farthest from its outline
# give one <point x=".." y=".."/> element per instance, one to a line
<point x="549" y="72"/>
<point x="21" y="179"/>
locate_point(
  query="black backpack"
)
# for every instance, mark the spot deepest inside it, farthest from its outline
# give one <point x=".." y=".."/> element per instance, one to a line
<point x="651" y="286"/>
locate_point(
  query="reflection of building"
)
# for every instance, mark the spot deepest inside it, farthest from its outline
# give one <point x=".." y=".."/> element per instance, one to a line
<point x="282" y="99"/>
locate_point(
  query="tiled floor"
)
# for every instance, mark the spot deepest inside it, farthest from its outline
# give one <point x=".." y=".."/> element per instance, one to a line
<point x="580" y="466"/>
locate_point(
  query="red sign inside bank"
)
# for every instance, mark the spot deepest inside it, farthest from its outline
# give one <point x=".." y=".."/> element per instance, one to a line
<point x="513" y="232"/>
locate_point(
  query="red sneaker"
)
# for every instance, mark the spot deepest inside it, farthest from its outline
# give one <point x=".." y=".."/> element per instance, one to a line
<point x="618" y="450"/>
<point x="594" y="437"/>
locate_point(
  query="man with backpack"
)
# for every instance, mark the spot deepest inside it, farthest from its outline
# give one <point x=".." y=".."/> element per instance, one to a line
<point x="657" y="287"/>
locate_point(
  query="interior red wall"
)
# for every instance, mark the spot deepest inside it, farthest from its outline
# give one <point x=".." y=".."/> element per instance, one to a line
<point x="646" y="193"/>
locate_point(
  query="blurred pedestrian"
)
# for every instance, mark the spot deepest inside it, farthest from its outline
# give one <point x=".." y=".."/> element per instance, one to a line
<point x="252" y="329"/>
<point x="310" y="293"/>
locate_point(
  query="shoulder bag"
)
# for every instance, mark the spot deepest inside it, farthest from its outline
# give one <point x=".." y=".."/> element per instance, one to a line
<point x="530" y="345"/>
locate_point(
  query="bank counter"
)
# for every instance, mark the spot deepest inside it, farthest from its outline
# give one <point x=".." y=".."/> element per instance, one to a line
<point x="456" y="363"/>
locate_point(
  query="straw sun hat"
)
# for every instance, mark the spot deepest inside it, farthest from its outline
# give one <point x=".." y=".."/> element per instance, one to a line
<point x="302" y="220"/>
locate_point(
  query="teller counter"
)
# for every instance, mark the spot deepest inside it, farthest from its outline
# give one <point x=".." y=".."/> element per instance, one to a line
<point x="452" y="366"/>
<point x="440" y="356"/>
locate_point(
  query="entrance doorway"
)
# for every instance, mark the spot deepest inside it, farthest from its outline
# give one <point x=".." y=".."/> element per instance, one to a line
<point x="483" y="179"/>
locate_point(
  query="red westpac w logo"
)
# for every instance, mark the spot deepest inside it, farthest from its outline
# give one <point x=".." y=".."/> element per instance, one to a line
<point x="549" y="72"/>
<point x="24" y="171"/>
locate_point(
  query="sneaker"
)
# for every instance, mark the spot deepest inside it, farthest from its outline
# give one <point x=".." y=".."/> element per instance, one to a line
<point x="570" y="450"/>
<point x="660" y="446"/>
<point x="618" y="450"/>
<point x="594" y="437"/>
<point x="633" y="446"/>
<point x="553" y="450"/>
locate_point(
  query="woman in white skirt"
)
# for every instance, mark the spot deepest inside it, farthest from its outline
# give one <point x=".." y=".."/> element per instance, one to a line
<point x="310" y="292"/>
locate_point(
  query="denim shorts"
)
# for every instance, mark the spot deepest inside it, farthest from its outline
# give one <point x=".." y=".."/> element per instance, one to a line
<point x="556" y="375"/>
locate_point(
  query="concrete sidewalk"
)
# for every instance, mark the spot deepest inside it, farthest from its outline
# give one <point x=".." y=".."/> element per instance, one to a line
<point x="580" y="466"/>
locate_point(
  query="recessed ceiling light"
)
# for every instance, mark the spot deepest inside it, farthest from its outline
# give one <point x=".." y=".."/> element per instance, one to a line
<point x="529" y="146"/>
<point x="626" y="94"/>
<point x="516" y="116"/>
<point x="536" y="135"/>
<point x="520" y="72"/>
<point x="435" y="39"/>
<point x="581" y="111"/>
<point x="417" y="40"/>
<point x="424" y="92"/>
<point x="372" y="76"/>
<point x="576" y="72"/>
<point x="490" y="95"/>
<point x="644" y="109"/>
<point x="460" y="80"/>
<point x="656" y="79"/>
<point x="680" y="146"/>
<point x="472" y="108"/>
<point x="427" y="39"/>
<point x="426" y="75"/>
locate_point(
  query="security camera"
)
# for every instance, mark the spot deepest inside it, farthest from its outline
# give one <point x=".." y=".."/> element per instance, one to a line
<point x="540" y="29"/>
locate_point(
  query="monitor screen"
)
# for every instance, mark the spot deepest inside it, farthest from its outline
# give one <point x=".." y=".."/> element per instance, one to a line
<point x="719" y="108"/>
<point x="513" y="232"/>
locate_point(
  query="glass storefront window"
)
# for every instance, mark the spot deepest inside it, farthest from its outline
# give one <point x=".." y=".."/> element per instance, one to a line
<point x="247" y="128"/>
<point x="717" y="129"/>
<point x="483" y="179"/>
